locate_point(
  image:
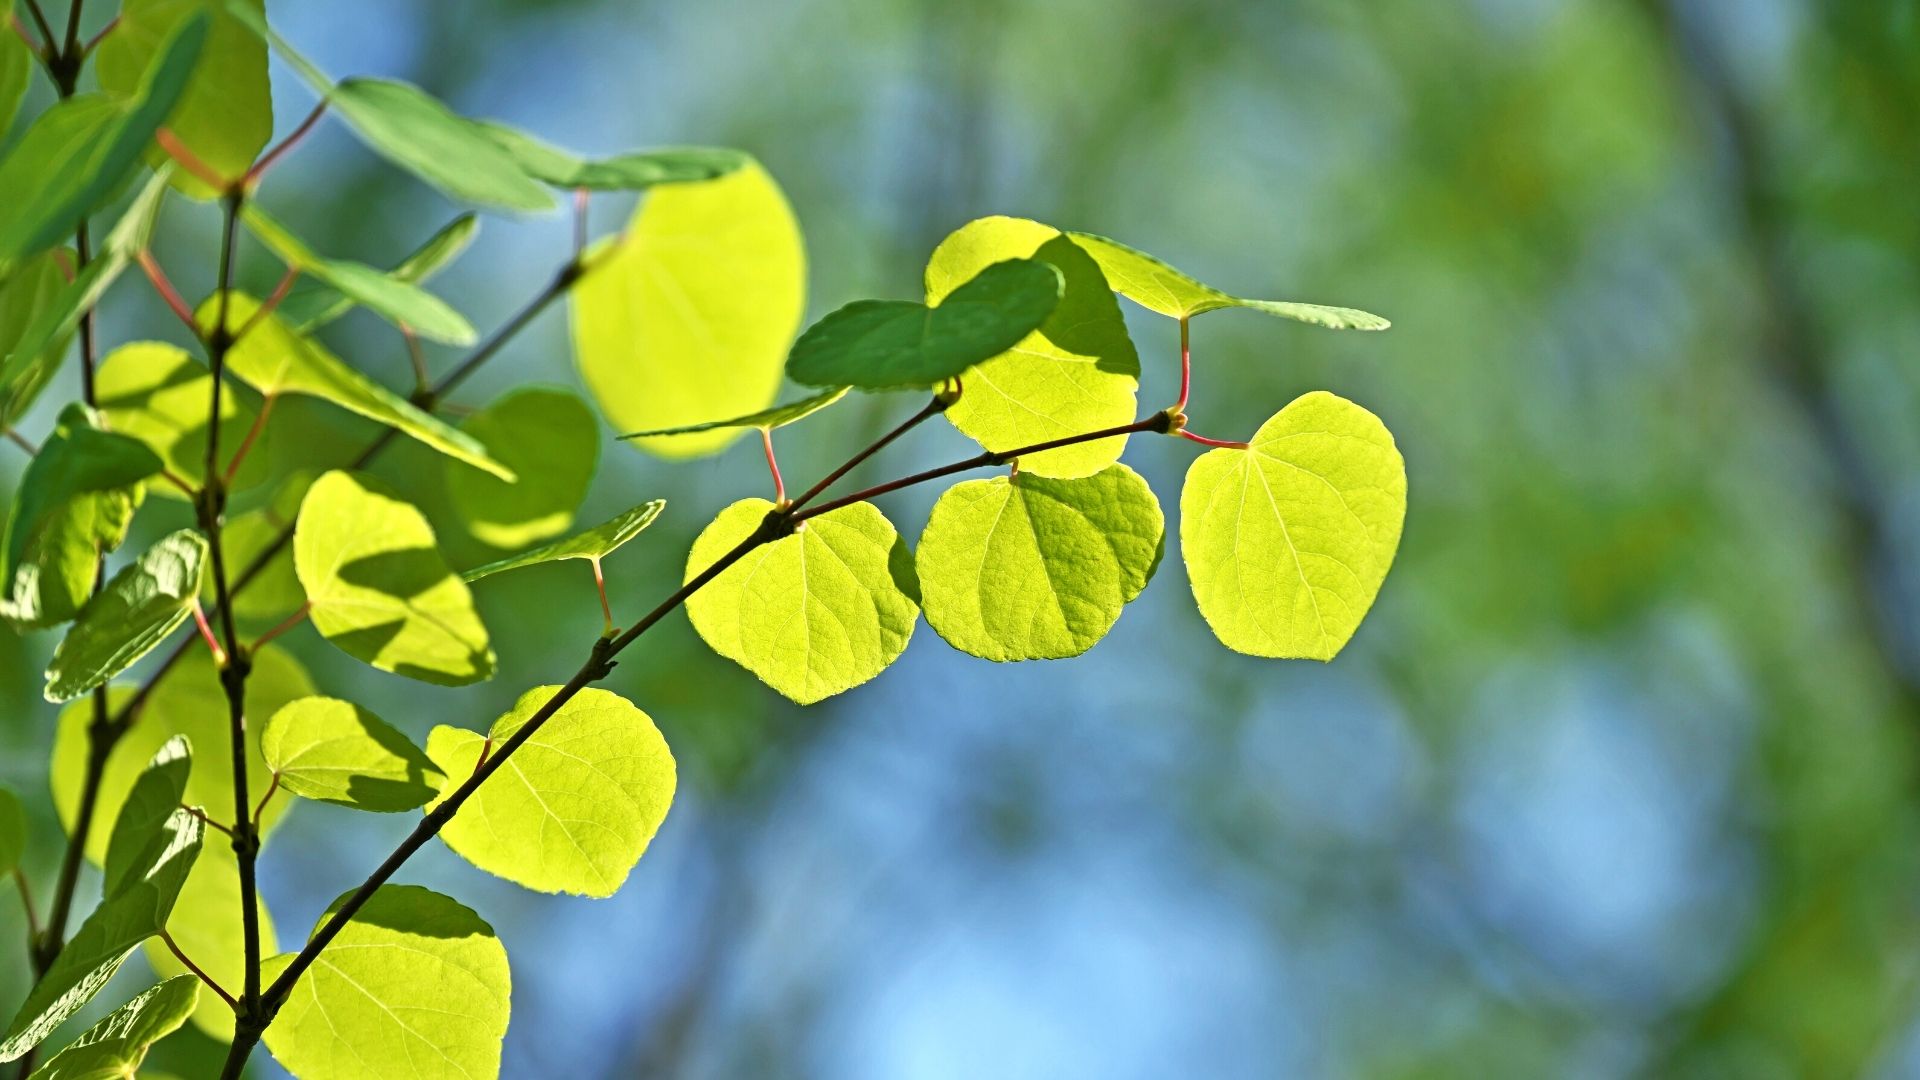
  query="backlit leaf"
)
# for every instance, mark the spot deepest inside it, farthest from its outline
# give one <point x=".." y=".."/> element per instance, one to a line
<point x="311" y="305"/>
<point x="811" y="614"/>
<point x="595" y="543"/>
<point x="144" y="602"/>
<point x="335" y="751"/>
<point x="575" y="806"/>
<point x="551" y="441"/>
<point x="378" y="587"/>
<point x="273" y="360"/>
<point x="415" y="987"/>
<point x="635" y="170"/>
<point x="275" y="593"/>
<point x="205" y="923"/>
<point x="898" y="344"/>
<point x="395" y="299"/>
<point x="118" y="1044"/>
<point x="158" y="394"/>
<point x="1075" y="374"/>
<point x="778" y="416"/>
<point x="25" y="298"/>
<point x="690" y="315"/>
<point x="1158" y="287"/>
<point x="1288" y="540"/>
<point x="1031" y="568"/>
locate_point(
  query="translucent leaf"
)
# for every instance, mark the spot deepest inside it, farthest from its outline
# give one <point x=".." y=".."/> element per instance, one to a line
<point x="378" y="587"/>
<point x="273" y="360"/>
<point x="635" y="170"/>
<point x="76" y="155"/>
<point x="593" y="544"/>
<point x="144" y="602"/>
<point x="690" y="315"/>
<point x="1158" y="287"/>
<point x="898" y="344"/>
<point x="13" y="831"/>
<point x="415" y="986"/>
<point x="1288" y="540"/>
<point x="776" y="417"/>
<point x="26" y="297"/>
<point x="158" y="394"/>
<point x="76" y="499"/>
<point x="152" y="848"/>
<point x="16" y="70"/>
<point x="575" y="806"/>
<point x="275" y="593"/>
<point x="225" y="117"/>
<point x="205" y="923"/>
<point x="1075" y="374"/>
<point x="311" y="305"/>
<point x="812" y="614"/>
<point x="1031" y="568"/>
<point x="335" y="751"/>
<point x="118" y="1044"/>
<point x="395" y="299"/>
<point x="551" y="441"/>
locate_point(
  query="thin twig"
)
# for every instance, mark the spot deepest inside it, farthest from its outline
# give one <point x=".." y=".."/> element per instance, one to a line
<point x="181" y="956"/>
<point x="94" y="41"/>
<point x="21" y="441"/>
<point x="252" y="179"/>
<point x="26" y="902"/>
<point x="40" y="20"/>
<point x="189" y="160"/>
<point x="211" y="824"/>
<point x="773" y="466"/>
<point x="253" y="433"/>
<point x="285" y="625"/>
<point x="933" y="408"/>
<point x="164" y="286"/>
<point x="260" y="808"/>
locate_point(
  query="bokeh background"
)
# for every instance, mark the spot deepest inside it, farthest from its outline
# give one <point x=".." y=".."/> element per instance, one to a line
<point x="1619" y="776"/>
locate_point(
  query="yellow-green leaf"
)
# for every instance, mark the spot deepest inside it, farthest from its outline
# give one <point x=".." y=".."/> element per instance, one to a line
<point x="1158" y="287"/>
<point x="593" y="545"/>
<point x="551" y="440"/>
<point x="117" y="1046"/>
<point x="312" y="305"/>
<point x="775" y="417"/>
<point x="635" y="170"/>
<point x="335" y="751"/>
<point x="157" y="393"/>
<point x="274" y="593"/>
<point x="389" y="296"/>
<point x="144" y="602"/>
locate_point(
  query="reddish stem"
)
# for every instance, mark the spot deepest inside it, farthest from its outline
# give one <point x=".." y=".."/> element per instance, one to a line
<point x="190" y="161"/>
<point x="579" y="221"/>
<point x="206" y="634"/>
<point x="293" y="139"/>
<point x="94" y="41"/>
<point x="278" y="294"/>
<point x="165" y="288"/>
<point x="1204" y="441"/>
<point x="253" y="433"/>
<point x="195" y="968"/>
<point x="286" y="624"/>
<point x="20" y="28"/>
<point x="1186" y="368"/>
<point x="273" y="785"/>
<point x="773" y="466"/>
<point x="600" y="583"/>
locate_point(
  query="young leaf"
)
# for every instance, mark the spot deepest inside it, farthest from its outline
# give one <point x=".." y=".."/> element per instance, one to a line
<point x="551" y="440"/>
<point x="225" y="116"/>
<point x="898" y="344"/>
<point x="156" y="393"/>
<point x="690" y="315"/>
<point x="593" y="544"/>
<point x="25" y="298"/>
<point x="1030" y="568"/>
<point x="118" y="1044"/>
<point x="75" y="500"/>
<point x="776" y="417"/>
<point x="311" y="305"/>
<point x="273" y="360"/>
<point x="78" y="153"/>
<point x="1288" y="540"/>
<point x="205" y="923"/>
<point x="16" y="69"/>
<point x="378" y="587"/>
<point x="148" y="858"/>
<point x="143" y="603"/>
<point x="1078" y="372"/>
<point x="575" y="807"/>
<point x="635" y="170"/>
<point x="188" y="702"/>
<point x="335" y="751"/>
<point x="13" y="831"/>
<point x="812" y="614"/>
<point x="398" y="301"/>
<point x="1158" y="287"/>
<point x="415" y="985"/>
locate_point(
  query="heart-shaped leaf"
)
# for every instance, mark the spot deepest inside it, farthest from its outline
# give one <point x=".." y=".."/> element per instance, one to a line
<point x="335" y="751"/>
<point x="1288" y="540"/>
<point x="593" y="545"/>
<point x="898" y="344"/>
<point x="1158" y="287"/>
<point x="551" y="440"/>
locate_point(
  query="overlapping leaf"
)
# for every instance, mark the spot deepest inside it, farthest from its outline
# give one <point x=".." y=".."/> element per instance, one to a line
<point x="635" y="170"/>
<point x="393" y="298"/>
<point x="311" y="305"/>
<point x="776" y="417"/>
<point x="335" y="751"/>
<point x="1158" y="287"/>
<point x="26" y="297"/>
<point x="551" y="440"/>
<point x="144" y="602"/>
<point x="593" y="545"/>
<point x="576" y="805"/>
<point x="157" y="393"/>
<point x="1288" y="540"/>
<point x="117" y="1046"/>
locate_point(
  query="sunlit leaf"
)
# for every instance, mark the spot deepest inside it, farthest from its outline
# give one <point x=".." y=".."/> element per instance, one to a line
<point x="595" y="543"/>
<point x="415" y="987"/>
<point x="335" y="751"/>
<point x="1031" y="568"/>
<point x="635" y="170"/>
<point x="26" y="297"/>
<point x="205" y="923"/>
<point x="574" y="808"/>
<point x="551" y="441"/>
<point x="1158" y="287"/>
<point x="393" y="298"/>
<point x="898" y="344"/>
<point x="13" y="831"/>
<point x="273" y="360"/>
<point x="378" y="587"/>
<point x="1288" y="540"/>
<point x="811" y="614"/>
<point x="312" y="305"/>
<point x="1075" y="374"/>
<point x="157" y="393"/>
<point x="689" y="317"/>
<point x="225" y="117"/>
<point x="275" y="593"/>
<point x="76" y="499"/>
<point x="768" y="419"/>
<point x="189" y="701"/>
<point x="144" y="602"/>
<point x="117" y="1046"/>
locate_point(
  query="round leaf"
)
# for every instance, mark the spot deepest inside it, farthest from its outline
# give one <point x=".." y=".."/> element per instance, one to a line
<point x="1288" y="540"/>
<point x="415" y="986"/>
<point x="156" y="393"/>
<point x="1031" y="568"/>
<point x="690" y="316"/>
<point x="144" y="602"/>
<point x="335" y="751"/>
<point x="551" y="441"/>
<point x="575" y="806"/>
<point x="378" y="588"/>
<point x="1158" y="287"/>
<point x="812" y="614"/>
